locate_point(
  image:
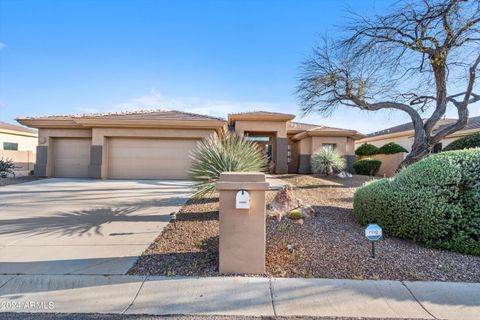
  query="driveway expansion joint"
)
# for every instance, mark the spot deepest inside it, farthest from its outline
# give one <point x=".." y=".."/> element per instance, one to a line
<point x="272" y="296"/>
<point x="6" y="282"/>
<point x="136" y="295"/>
<point x="418" y="301"/>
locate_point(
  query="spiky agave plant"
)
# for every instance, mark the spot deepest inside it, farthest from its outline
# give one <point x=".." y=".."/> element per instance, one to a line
<point x="220" y="153"/>
<point x="326" y="161"/>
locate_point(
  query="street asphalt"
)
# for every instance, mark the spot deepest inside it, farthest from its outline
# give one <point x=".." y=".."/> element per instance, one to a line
<point x="98" y="316"/>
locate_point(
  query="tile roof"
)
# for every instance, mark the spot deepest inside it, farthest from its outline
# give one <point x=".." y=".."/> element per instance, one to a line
<point x="261" y="113"/>
<point x="473" y="123"/>
<point x="13" y="127"/>
<point x="292" y="125"/>
<point x="299" y="126"/>
<point x="134" y="115"/>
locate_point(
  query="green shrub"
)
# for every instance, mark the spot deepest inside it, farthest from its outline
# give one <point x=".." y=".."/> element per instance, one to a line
<point x="327" y="161"/>
<point x="435" y="201"/>
<point x="366" y="149"/>
<point x="391" y="148"/>
<point x="367" y="166"/>
<point x="467" y="142"/>
<point x="220" y="153"/>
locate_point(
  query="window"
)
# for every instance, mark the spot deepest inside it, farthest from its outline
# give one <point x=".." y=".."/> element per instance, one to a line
<point x="10" y="146"/>
<point x="259" y="139"/>
<point x="329" y="146"/>
<point x="289" y="153"/>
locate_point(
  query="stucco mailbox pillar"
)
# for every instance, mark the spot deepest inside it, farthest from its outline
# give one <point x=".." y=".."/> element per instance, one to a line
<point x="242" y="230"/>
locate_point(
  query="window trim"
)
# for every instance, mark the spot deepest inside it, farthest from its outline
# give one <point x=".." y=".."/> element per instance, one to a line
<point x="334" y="146"/>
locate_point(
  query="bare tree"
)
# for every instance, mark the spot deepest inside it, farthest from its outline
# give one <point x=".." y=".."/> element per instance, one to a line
<point x="408" y="60"/>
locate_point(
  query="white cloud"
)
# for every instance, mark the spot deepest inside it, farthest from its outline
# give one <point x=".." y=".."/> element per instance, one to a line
<point x="218" y="108"/>
<point x="2" y="45"/>
<point x="343" y="117"/>
<point x="154" y="99"/>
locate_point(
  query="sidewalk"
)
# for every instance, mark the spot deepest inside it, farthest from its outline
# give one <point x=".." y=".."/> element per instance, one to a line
<point x="238" y="296"/>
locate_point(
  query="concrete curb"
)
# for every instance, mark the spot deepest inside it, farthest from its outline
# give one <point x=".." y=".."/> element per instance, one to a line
<point x="248" y="296"/>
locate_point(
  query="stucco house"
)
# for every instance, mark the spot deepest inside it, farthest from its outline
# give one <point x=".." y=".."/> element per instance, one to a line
<point x="19" y="144"/>
<point x="404" y="134"/>
<point x="157" y="144"/>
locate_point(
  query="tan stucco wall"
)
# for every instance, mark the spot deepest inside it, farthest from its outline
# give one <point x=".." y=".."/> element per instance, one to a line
<point x="341" y="143"/>
<point x="312" y="144"/>
<point x="25" y="143"/>
<point x="24" y="160"/>
<point x="305" y="146"/>
<point x="44" y="135"/>
<point x="350" y="147"/>
<point x="261" y="126"/>
<point x="404" y="141"/>
<point x="390" y="163"/>
<point x="99" y="134"/>
<point x="242" y="231"/>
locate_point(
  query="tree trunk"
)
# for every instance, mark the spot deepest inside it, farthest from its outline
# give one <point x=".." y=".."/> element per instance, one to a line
<point x="420" y="149"/>
<point x="415" y="155"/>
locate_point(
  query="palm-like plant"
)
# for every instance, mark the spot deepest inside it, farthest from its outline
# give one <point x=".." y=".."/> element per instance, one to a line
<point x="221" y="153"/>
<point x="326" y="161"/>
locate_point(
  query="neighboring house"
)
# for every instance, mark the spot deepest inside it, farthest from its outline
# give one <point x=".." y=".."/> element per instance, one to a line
<point x="158" y="144"/>
<point x="19" y="144"/>
<point x="404" y="134"/>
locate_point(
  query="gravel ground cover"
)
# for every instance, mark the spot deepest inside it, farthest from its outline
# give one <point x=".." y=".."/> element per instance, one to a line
<point x="9" y="181"/>
<point x="188" y="246"/>
<point x="330" y="244"/>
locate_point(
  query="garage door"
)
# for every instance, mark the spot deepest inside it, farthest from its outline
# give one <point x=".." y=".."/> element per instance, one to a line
<point x="71" y="157"/>
<point x="149" y="158"/>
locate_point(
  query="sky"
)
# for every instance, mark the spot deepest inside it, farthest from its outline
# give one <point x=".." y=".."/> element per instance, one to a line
<point x="209" y="57"/>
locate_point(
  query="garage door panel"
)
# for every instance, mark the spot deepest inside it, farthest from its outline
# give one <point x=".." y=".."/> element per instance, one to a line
<point x="71" y="157"/>
<point x="136" y="158"/>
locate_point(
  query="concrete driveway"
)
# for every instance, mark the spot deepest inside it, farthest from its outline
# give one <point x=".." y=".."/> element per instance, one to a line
<point x="80" y="226"/>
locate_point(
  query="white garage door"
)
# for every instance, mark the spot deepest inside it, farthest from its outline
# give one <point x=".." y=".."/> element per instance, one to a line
<point x="71" y="157"/>
<point x="135" y="158"/>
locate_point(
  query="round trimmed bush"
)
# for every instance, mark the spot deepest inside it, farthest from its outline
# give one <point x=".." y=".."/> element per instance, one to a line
<point x="391" y="148"/>
<point x="367" y="166"/>
<point x="467" y="142"/>
<point x="435" y="201"/>
<point x="366" y="149"/>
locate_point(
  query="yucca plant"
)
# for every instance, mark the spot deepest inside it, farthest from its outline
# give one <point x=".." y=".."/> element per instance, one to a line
<point x="220" y="153"/>
<point x="326" y="161"/>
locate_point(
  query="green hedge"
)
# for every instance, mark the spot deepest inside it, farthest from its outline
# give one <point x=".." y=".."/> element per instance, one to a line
<point x="367" y="166"/>
<point x="391" y="148"/>
<point x="467" y="142"/>
<point x="435" y="201"/>
<point x="366" y="149"/>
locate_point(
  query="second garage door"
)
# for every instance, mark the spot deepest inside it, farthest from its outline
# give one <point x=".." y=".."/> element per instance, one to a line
<point x="71" y="157"/>
<point x="135" y="158"/>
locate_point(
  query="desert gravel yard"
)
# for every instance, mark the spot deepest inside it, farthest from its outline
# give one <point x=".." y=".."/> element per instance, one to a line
<point x="330" y="244"/>
<point x="9" y="181"/>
